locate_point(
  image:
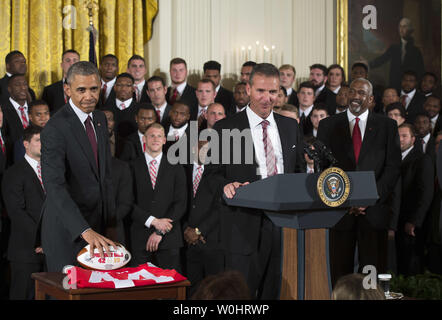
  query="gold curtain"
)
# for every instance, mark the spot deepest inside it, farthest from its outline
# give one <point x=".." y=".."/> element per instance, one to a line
<point x="43" y="29"/>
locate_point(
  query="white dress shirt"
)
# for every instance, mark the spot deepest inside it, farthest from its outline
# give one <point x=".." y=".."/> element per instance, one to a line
<point x="109" y="85"/>
<point x="140" y="135"/>
<point x="149" y="158"/>
<point x="336" y="91"/>
<point x="434" y="121"/>
<point x="362" y="122"/>
<point x="200" y="110"/>
<point x="162" y="110"/>
<point x="273" y="134"/>
<point x="181" y="88"/>
<point x="174" y="131"/>
<point x="16" y="106"/>
<point x="406" y="152"/>
<point x="319" y="90"/>
<point x="239" y="110"/>
<point x="33" y="163"/>
<point x="410" y="96"/>
<point x="82" y="115"/>
<point x="127" y="103"/>
<point x="306" y="112"/>
<point x="289" y="91"/>
<point x="425" y="144"/>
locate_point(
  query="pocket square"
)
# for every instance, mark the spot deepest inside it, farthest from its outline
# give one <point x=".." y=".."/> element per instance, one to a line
<point x="294" y="146"/>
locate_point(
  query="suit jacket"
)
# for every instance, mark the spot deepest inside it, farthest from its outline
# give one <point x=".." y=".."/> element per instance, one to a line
<point x="415" y="107"/>
<point x="24" y="197"/>
<point x="54" y="96"/>
<point x="167" y="200"/>
<point x="132" y="148"/>
<point x="144" y="97"/>
<point x="203" y="208"/>
<point x="293" y="98"/>
<point x="78" y="193"/>
<point x="417" y="174"/>
<point x="380" y="153"/>
<point x="184" y="143"/>
<point x="165" y="121"/>
<point x="125" y="123"/>
<point x="225" y="97"/>
<point x="111" y="97"/>
<point x="4" y="93"/>
<point x="188" y="96"/>
<point x="438" y="126"/>
<point x="327" y="97"/>
<point x="306" y="125"/>
<point x="12" y="122"/>
<point x="240" y="227"/>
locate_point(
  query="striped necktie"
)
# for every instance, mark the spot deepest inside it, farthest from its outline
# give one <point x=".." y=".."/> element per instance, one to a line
<point x="197" y="179"/>
<point x="268" y="149"/>
<point x="24" y="119"/>
<point x="153" y="172"/>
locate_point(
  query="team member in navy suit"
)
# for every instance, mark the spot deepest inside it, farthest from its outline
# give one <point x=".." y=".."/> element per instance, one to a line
<point x="15" y="63"/>
<point x="250" y="240"/>
<point x="76" y="169"/>
<point x="160" y="203"/>
<point x="24" y="194"/>
<point x="362" y="141"/>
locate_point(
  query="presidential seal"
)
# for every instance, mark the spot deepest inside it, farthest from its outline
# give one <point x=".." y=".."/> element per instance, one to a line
<point x="333" y="186"/>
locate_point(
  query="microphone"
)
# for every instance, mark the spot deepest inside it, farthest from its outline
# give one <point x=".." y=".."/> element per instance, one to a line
<point x="314" y="155"/>
<point x="326" y="152"/>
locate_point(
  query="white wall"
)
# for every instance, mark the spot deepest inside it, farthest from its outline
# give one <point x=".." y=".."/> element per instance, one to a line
<point x="301" y="31"/>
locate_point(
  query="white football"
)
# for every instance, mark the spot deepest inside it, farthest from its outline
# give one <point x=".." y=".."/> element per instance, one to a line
<point x="116" y="259"/>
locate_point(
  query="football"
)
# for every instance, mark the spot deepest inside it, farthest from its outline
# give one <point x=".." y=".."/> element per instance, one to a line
<point x="116" y="259"/>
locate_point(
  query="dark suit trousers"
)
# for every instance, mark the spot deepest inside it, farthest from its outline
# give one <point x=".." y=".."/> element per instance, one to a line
<point x="410" y="251"/>
<point x="372" y="248"/>
<point x="202" y="261"/>
<point x="22" y="286"/>
<point x="162" y="258"/>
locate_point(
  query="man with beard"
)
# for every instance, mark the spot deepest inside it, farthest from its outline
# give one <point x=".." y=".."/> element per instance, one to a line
<point x="362" y="141"/>
<point x="179" y="132"/>
<point x="318" y="77"/>
<point x="424" y="140"/>
<point x="15" y="63"/>
<point x="411" y="99"/>
<point x="240" y="97"/>
<point x="432" y="108"/>
<point x="428" y="84"/>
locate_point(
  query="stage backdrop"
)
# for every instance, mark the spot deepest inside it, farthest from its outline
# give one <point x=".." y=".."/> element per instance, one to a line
<point x="43" y="29"/>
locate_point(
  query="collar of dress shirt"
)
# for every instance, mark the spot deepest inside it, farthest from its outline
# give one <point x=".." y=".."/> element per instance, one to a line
<point x="141" y="85"/>
<point x="162" y="108"/>
<point x="32" y="162"/>
<point x="410" y="94"/>
<point x="319" y="90"/>
<point x="181" y="87"/>
<point x="217" y="88"/>
<point x="362" y="117"/>
<point x="80" y="113"/>
<point x="434" y="120"/>
<point x="180" y="130"/>
<point x="200" y="109"/>
<point x="406" y="152"/>
<point x="239" y="110"/>
<point x="429" y="94"/>
<point x="8" y="74"/>
<point x="196" y="165"/>
<point x="16" y="105"/>
<point x="149" y="158"/>
<point x="427" y="137"/>
<point x="306" y="111"/>
<point x="110" y="83"/>
<point x="336" y="91"/>
<point x="127" y="103"/>
<point x="289" y="91"/>
<point x="255" y="120"/>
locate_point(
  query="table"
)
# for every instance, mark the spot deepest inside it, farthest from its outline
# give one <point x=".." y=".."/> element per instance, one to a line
<point x="51" y="284"/>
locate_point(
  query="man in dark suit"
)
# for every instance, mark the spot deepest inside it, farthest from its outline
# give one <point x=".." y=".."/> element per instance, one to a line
<point x="134" y="147"/>
<point x="160" y="203"/>
<point x="432" y="107"/>
<point x="54" y="94"/>
<point x="318" y="77"/>
<point x="108" y="73"/>
<point x="204" y="256"/>
<point x="205" y="93"/>
<point x="212" y="71"/>
<point x="417" y="182"/>
<point x="246" y="70"/>
<point x="306" y="98"/>
<point x="24" y="195"/>
<point x="157" y="90"/>
<point x="136" y="67"/>
<point x="76" y="169"/>
<point x="116" y="143"/>
<point x="411" y="99"/>
<point x="15" y="108"/>
<point x="402" y="56"/>
<point x="15" y="63"/>
<point x="362" y="141"/>
<point x="424" y="139"/>
<point x="180" y="90"/>
<point x="250" y="240"/>
<point x="288" y="76"/>
<point x="123" y="105"/>
<point x="428" y="84"/>
<point x="179" y="132"/>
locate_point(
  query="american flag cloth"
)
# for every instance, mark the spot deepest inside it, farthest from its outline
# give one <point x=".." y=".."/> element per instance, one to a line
<point x="143" y="275"/>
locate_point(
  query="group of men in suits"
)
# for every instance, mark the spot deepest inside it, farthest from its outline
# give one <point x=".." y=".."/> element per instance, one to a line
<point x="107" y="170"/>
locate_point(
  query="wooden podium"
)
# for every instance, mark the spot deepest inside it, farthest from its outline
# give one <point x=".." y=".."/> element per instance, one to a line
<point x="292" y="202"/>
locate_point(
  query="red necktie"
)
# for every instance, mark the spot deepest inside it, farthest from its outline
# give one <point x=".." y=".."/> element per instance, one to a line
<point x="153" y="172"/>
<point x="91" y="136"/>
<point x="103" y="93"/>
<point x="158" y="116"/>
<point x="122" y="106"/>
<point x="144" y="146"/>
<point x="174" y="96"/>
<point x="2" y="145"/>
<point x="357" y="140"/>
<point x="268" y="149"/>
<point x="39" y="175"/>
<point x="137" y="93"/>
<point x="24" y="120"/>
<point x="403" y="100"/>
<point x="196" y="181"/>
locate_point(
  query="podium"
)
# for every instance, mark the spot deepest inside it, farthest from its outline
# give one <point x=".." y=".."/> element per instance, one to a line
<point x="291" y="201"/>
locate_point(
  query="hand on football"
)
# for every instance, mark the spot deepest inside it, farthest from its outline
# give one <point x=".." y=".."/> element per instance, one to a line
<point x="96" y="240"/>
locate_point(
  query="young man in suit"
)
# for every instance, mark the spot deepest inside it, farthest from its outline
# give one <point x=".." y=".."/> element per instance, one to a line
<point x="157" y="90"/>
<point x="205" y="93"/>
<point x="428" y="84"/>
<point x="432" y="107"/>
<point x="135" y="146"/>
<point x="160" y="203"/>
<point x="15" y="108"/>
<point x="389" y="96"/>
<point x="424" y="139"/>
<point x="411" y="99"/>
<point x="180" y="90"/>
<point x="76" y="169"/>
<point x="246" y="70"/>
<point x="123" y="105"/>
<point x="240" y="97"/>
<point x="24" y="194"/>
<point x="212" y="71"/>
<point x="417" y="184"/>
<point x="108" y="72"/>
<point x="362" y="141"/>
<point x="136" y="67"/>
<point x="306" y="98"/>
<point x="250" y="240"/>
<point x="319" y="112"/>
<point x="54" y="94"/>
<point x="288" y="76"/>
<point x="204" y="256"/>
<point x="116" y="143"/>
<point x="215" y="112"/>
<point x="318" y="77"/>
<point x="15" y="63"/>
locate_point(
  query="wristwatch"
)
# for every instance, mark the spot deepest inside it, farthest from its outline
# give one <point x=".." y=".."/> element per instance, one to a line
<point x="197" y="231"/>
<point x="158" y="232"/>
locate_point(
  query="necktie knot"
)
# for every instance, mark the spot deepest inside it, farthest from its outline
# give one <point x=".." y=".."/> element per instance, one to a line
<point x="153" y="162"/>
<point x="123" y="106"/>
<point x="357" y="120"/>
<point x="265" y="124"/>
